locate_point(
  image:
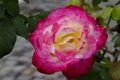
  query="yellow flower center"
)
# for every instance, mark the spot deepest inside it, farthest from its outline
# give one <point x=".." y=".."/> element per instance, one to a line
<point x="69" y="40"/>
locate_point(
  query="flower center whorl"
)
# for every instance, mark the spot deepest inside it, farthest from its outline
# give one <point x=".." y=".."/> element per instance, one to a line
<point x="69" y="39"/>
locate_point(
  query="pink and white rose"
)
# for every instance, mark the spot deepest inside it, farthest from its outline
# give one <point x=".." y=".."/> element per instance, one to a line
<point x="66" y="41"/>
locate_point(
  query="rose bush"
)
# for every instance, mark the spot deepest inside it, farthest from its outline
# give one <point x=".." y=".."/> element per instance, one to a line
<point x="66" y="41"/>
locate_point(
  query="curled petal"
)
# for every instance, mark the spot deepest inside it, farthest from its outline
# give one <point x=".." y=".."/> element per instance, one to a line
<point x="102" y="37"/>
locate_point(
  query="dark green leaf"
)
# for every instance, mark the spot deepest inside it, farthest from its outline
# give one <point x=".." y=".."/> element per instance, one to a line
<point x="97" y="8"/>
<point x="90" y="9"/>
<point x="32" y="20"/>
<point x="105" y="0"/>
<point x="103" y="69"/>
<point x="1" y="2"/>
<point x="93" y="74"/>
<point x="115" y="71"/>
<point x="96" y="2"/>
<point x="107" y="13"/>
<point x="12" y="7"/>
<point x="116" y="13"/>
<point x="99" y="21"/>
<point x="117" y="41"/>
<point x="7" y="37"/>
<point x="27" y="1"/>
<point x="118" y="3"/>
<point x="2" y="11"/>
<point x="98" y="72"/>
<point x="118" y="22"/>
<point x="21" y="28"/>
<point x="24" y="18"/>
<point x="105" y="74"/>
<point x="86" y="5"/>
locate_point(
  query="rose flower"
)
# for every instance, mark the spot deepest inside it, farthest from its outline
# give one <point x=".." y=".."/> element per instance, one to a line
<point x="66" y="41"/>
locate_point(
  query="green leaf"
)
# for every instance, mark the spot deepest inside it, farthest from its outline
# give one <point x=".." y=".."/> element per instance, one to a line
<point x="118" y="22"/>
<point x="12" y="7"/>
<point x="2" y="11"/>
<point x="116" y="13"/>
<point x="104" y="73"/>
<point x="90" y="9"/>
<point x="115" y="71"/>
<point x="96" y="2"/>
<point x="118" y="3"/>
<point x="103" y="69"/>
<point x="97" y="8"/>
<point x="32" y="20"/>
<point x="21" y="28"/>
<point x="107" y="13"/>
<point x="99" y="21"/>
<point x="93" y="74"/>
<point x="86" y="6"/>
<point x="98" y="72"/>
<point x="105" y="0"/>
<point x="27" y="1"/>
<point x="7" y="37"/>
<point x="76" y="2"/>
<point x="23" y="18"/>
<point x="117" y="41"/>
<point x="1" y="2"/>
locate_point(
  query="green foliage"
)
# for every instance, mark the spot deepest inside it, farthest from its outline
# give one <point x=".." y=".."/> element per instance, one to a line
<point x="91" y="75"/>
<point x="12" y="23"/>
<point x="117" y="41"/>
<point x="118" y="2"/>
<point x="32" y="20"/>
<point x="27" y="1"/>
<point x="96" y="2"/>
<point x="105" y="0"/>
<point x="107" y="13"/>
<point x="12" y="7"/>
<point x="115" y="71"/>
<point x="21" y="28"/>
<point x="76" y="2"/>
<point x="116" y="13"/>
<point x="7" y="37"/>
<point x="2" y="11"/>
<point x="98" y="72"/>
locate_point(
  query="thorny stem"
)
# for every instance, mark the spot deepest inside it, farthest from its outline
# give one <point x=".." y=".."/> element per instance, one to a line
<point x="108" y="22"/>
<point x="104" y="51"/>
<point x="116" y="52"/>
<point x="102" y="56"/>
<point x="116" y="55"/>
